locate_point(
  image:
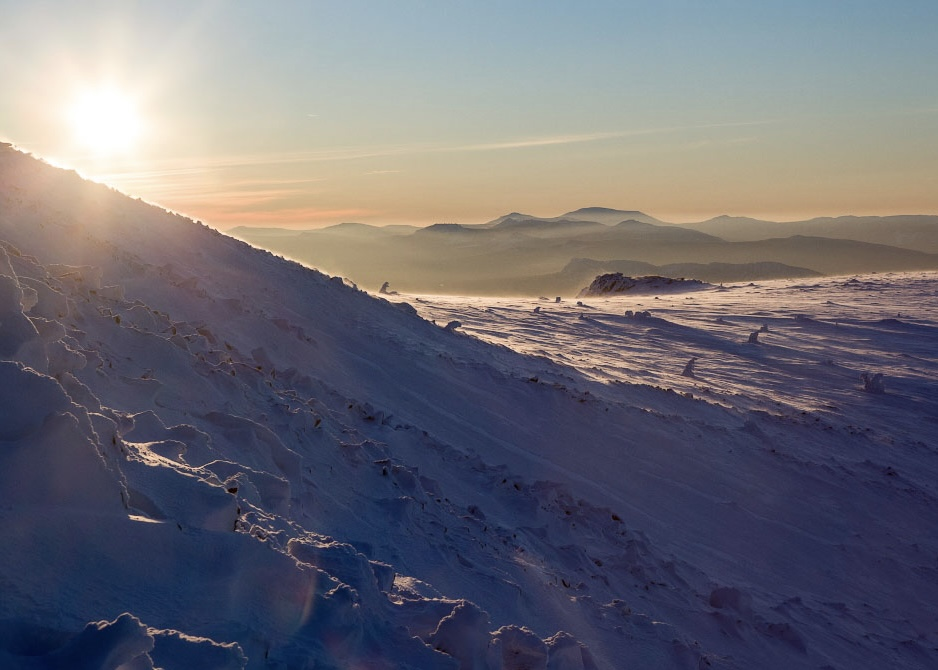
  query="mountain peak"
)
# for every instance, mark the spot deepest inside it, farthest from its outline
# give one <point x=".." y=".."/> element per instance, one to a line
<point x="508" y="217"/>
<point x="609" y="210"/>
<point x="608" y="215"/>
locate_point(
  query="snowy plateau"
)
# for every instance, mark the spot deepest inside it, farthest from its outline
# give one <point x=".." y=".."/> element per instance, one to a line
<point x="214" y="458"/>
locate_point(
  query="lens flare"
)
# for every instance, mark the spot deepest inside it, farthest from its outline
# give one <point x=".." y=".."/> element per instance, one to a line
<point x="105" y="121"/>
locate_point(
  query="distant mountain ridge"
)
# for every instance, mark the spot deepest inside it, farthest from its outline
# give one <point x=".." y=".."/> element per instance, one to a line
<point x="610" y="216"/>
<point x="917" y="232"/>
<point x="602" y="215"/>
<point x="447" y="228"/>
<point x="524" y="254"/>
<point x="542" y="225"/>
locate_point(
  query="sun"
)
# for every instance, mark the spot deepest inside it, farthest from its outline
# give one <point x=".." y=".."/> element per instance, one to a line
<point x="105" y="121"/>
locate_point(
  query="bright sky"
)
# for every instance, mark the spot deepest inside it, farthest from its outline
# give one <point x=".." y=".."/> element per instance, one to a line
<point x="305" y="113"/>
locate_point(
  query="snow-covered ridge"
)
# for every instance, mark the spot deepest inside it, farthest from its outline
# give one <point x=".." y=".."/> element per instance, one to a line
<point x="211" y="457"/>
<point x="190" y="481"/>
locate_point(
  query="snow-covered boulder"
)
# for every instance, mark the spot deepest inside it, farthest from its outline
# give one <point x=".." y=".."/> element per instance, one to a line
<point x="616" y="283"/>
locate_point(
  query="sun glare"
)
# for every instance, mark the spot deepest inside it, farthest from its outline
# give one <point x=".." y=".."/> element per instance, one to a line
<point x="104" y="121"/>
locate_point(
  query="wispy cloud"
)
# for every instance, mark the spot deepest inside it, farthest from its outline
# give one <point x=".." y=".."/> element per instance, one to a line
<point x="262" y="183"/>
<point x="241" y="199"/>
<point x="297" y="217"/>
<point x="195" y="165"/>
<point x="194" y="180"/>
<point x="206" y="195"/>
<point x="222" y="188"/>
<point x="544" y="141"/>
<point x="579" y="138"/>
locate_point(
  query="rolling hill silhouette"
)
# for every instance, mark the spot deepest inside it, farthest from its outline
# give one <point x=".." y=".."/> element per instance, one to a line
<point x="527" y="255"/>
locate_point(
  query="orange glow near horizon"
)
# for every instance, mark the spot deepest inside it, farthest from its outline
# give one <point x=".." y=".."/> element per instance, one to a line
<point x="321" y="113"/>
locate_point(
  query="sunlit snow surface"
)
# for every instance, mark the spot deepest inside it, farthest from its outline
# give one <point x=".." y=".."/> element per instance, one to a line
<point x="815" y="340"/>
<point x="832" y="466"/>
<point x="214" y="458"/>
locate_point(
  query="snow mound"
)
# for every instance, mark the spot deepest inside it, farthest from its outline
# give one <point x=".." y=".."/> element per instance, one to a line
<point x="121" y="643"/>
<point x="615" y="283"/>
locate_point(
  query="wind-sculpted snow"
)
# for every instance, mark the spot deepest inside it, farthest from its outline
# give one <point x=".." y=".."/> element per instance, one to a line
<point x="214" y="458"/>
<point x="802" y="497"/>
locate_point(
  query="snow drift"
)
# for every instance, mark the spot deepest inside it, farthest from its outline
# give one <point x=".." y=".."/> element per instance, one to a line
<point x="616" y="282"/>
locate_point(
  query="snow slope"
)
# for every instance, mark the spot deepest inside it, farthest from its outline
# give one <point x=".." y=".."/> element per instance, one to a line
<point x="808" y="496"/>
<point x="214" y="458"/>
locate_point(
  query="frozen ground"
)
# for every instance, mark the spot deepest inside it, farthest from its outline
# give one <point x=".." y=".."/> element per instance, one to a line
<point x="815" y="340"/>
<point x="214" y="458"/>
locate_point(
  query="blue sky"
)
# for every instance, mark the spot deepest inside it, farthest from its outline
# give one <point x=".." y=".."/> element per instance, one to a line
<point x="309" y="113"/>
